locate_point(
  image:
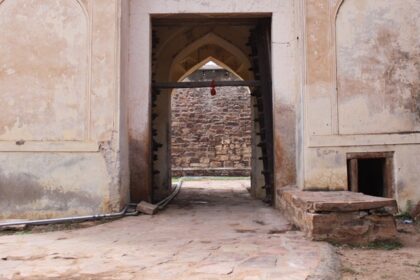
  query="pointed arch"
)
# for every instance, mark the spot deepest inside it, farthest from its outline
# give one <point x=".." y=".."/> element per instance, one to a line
<point x="205" y="61"/>
<point x="333" y="46"/>
<point x="211" y="39"/>
<point x="337" y="10"/>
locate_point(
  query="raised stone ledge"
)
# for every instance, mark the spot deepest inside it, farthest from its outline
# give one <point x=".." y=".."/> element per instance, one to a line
<point x="333" y="201"/>
<point x="339" y="216"/>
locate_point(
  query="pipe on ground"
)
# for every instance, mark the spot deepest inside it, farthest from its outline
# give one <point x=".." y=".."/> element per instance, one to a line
<point x="77" y="219"/>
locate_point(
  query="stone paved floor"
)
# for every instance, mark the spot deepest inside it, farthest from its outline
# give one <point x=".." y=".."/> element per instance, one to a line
<point x="213" y="230"/>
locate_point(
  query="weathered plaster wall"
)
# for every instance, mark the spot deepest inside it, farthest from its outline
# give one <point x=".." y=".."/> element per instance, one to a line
<point x="362" y="90"/>
<point x="43" y="76"/>
<point x="378" y="66"/>
<point x="59" y="140"/>
<point x="139" y="102"/>
<point x="124" y="149"/>
<point x="44" y="185"/>
<point x="62" y="108"/>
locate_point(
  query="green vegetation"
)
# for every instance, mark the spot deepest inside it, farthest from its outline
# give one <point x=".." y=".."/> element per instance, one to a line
<point x="404" y="216"/>
<point x="384" y="245"/>
<point x="376" y="245"/>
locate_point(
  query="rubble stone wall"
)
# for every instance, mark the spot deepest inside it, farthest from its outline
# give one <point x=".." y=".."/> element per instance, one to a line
<point x="211" y="135"/>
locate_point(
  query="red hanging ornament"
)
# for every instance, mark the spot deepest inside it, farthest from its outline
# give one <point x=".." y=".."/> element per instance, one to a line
<point x="213" y="88"/>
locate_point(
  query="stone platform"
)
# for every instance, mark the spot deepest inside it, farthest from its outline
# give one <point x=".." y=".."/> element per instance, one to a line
<point x="340" y="216"/>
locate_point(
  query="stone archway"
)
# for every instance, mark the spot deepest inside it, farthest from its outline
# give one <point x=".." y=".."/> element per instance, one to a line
<point x="192" y="47"/>
<point x="285" y="71"/>
<point x="186" y="56"/>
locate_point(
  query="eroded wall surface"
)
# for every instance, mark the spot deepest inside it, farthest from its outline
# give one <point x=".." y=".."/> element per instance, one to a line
<point x="378" y="66"/>
<point x="362" y="90"/>
<point x="59" y="148"/>
<point x="44" y="63"/>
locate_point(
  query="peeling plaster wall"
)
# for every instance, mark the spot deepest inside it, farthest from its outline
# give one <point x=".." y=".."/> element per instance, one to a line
<point x="52" y="184"/>
<point x="59" y="123"/>
<point x="123" y="105"/>
<point x="43" y="70"/>
<point x="326" y="168"/>
<point x="362" y="90"/>
<point x="378" y="62"/>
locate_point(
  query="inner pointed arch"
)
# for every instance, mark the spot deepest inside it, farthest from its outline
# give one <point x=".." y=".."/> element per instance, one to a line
<point x="234" y="59"/>
<point x="204" y="62"/>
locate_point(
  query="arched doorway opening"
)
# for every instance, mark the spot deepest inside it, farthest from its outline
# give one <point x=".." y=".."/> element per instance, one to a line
<point x="241" y="46"/>
<point x="211" y="128"/>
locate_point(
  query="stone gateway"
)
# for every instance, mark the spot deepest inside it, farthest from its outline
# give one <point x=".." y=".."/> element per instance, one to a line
<point x="85" y="125"/>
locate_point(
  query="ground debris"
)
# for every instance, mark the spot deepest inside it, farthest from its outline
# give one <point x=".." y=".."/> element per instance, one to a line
<point x="147" y="208"/>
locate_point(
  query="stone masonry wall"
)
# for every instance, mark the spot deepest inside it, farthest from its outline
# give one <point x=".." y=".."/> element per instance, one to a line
<point x="211" y="135"/>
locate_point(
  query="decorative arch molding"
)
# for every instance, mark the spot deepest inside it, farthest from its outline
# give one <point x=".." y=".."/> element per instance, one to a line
<point x="210" y="39"/>
<point x="83" y="6"/>
<point x="86" y="6"/>
<point x="333" y="45"/>
<point x="337" y="8"/>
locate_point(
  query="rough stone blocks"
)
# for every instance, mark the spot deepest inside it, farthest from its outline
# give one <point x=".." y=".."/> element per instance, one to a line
<point x="340" y="216"/>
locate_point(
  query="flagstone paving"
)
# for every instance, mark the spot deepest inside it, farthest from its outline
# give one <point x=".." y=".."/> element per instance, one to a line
<point x="212" y="230"/>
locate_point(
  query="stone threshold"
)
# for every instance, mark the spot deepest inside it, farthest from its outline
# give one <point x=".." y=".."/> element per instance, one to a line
<point x="340" y="216"/>
<point x="211" y="172"/>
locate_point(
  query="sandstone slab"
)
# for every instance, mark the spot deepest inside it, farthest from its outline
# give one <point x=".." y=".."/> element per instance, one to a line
<point x="340" y="216"/>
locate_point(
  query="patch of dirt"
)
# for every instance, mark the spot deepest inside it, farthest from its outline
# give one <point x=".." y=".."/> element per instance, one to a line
<point x="387" y="261"/>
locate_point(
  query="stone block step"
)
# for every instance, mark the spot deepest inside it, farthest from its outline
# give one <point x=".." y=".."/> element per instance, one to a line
<point x="339" y="216"/>
<point x="337" y="201"/>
